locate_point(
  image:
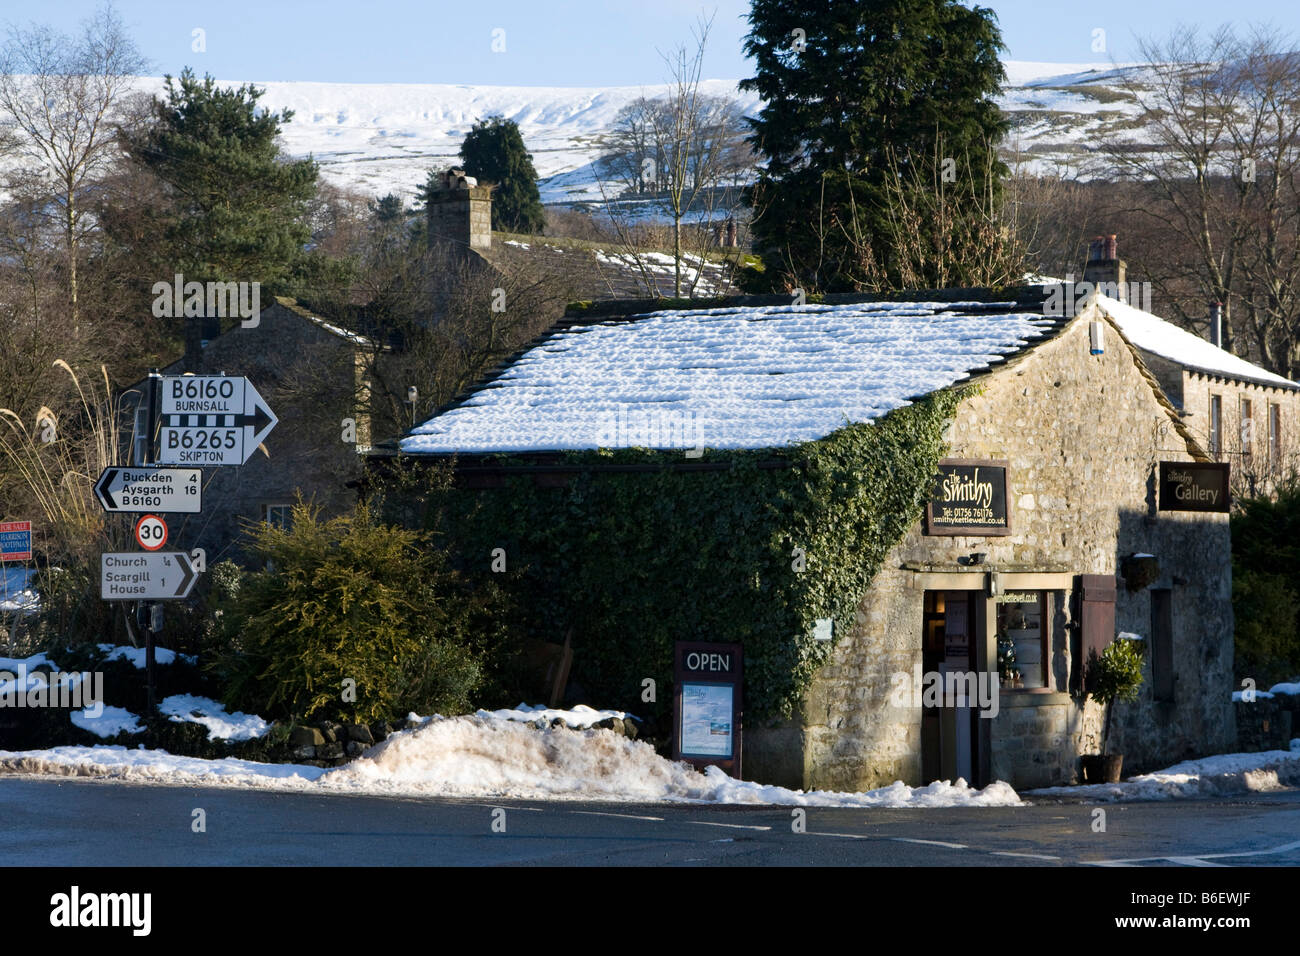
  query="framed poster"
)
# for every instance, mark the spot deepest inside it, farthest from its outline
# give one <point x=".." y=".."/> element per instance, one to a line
<point x="969" y="497"/>
<point x="708" y="681"/>
<point x="707" y="728"/>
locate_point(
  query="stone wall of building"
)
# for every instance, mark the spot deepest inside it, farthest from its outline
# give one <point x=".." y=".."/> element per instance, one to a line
<point x="307" y="375"/>
<point x="1083" y="435"/>
<point x="1253" y="472"/>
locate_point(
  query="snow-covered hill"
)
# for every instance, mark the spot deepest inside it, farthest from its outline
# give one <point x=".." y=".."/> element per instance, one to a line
<point x="381" y="138"/>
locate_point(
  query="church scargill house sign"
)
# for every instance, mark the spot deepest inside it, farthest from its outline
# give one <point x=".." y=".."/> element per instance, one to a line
<point x="969" y="498"/>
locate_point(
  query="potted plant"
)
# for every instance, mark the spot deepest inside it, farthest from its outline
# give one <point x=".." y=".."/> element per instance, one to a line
<point x="1115" y="675"/>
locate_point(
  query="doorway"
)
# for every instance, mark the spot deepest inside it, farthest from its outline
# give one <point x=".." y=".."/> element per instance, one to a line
<point x="949" y="735"/>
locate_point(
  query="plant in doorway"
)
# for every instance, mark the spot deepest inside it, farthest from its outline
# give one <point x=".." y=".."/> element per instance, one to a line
<point x="1114" y="675"/>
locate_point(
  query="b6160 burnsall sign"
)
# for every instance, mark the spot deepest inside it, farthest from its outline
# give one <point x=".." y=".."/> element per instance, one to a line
<point x="211" y="420"/>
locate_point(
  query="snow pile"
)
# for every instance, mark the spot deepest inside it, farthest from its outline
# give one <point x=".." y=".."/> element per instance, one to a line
<point x="734" y="377"/>
<point x="111" y="722"/>
<point x="580" y="716"/>
<point x="1291" y="688"/>
<point x="124" y="652"/>
<point x="182" y="708"/>
<point x="1207" y="777"/>
<point x="156" y="766"/>
<point x="486" y="757"/>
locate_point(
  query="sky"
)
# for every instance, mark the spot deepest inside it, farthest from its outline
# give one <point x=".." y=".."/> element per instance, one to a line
<point x="589" y="43"/>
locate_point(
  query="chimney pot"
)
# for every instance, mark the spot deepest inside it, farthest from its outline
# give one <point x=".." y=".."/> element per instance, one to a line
<point x="1216" y="324"/>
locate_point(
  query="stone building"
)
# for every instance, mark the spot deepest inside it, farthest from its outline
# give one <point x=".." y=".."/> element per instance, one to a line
<point x="1072" y="543"/>
<point x="312" y="374"/>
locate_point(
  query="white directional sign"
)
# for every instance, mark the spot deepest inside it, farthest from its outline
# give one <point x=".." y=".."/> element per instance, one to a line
<point x="211" y="420"/>
<point x="145" y="576"/>
<point x="147" y="489"/>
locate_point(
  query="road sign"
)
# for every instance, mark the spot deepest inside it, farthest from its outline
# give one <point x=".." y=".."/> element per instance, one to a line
<point x="146" y="576"/>
<point x="151" y="532"/>
<point x="137" y="490"/>
<point x="15" y="540"/>
<point x="211" y="420"/>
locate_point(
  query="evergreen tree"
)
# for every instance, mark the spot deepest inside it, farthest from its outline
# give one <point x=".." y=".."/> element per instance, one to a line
<point x="860" y="96"/>
<point x="494" y="152"/>
<point x="234" y="209"/>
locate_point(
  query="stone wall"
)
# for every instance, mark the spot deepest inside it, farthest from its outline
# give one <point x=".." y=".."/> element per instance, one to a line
<point x="307" y="375"/>
<point x="1082" y="435"/>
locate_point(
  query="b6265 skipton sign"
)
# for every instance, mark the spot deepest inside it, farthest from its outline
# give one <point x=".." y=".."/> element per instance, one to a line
<point x="211" y="420"/>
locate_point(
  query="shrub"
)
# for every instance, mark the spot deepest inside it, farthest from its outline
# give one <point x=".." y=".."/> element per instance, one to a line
<point x="1115" y="675"/>
<point x="1263" y="604"/>
<point x="350" y="600"/>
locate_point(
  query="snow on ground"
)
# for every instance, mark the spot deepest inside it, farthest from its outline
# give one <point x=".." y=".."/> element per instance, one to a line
<point x="580" y="716"/>
<point x="183" y="708"/>
<point x="110" y="723"/>
<point x="486" y="756"/>
<point x="1292" y="688"/>
<point x="136" y="655"/>
<point x="735" y="377"/>
<point x="1207" y="777"/>
<point x="16" y="591"/>
<point x="1238" y="695"/>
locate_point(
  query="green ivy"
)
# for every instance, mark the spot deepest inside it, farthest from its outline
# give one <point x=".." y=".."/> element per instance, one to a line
<point x="630" y="562"/>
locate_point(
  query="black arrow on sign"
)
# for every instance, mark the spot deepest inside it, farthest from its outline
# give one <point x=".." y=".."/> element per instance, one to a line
<point x="101" y="489"/>
<point x="187" y="574"/>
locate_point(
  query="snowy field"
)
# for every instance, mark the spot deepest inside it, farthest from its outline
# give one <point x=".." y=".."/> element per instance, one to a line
<point x="385" y="137"/>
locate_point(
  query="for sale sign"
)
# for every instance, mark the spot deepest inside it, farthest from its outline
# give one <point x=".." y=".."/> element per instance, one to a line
<point x="15" y="540"/>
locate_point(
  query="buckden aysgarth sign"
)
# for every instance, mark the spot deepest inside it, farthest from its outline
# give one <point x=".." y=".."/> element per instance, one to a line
<point x="969" y="498"/>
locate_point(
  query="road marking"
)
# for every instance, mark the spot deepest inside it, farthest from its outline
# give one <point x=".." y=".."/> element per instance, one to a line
<point x="846" y="836"/>
<point x="1200" y="857"/>
<point x="734" y="826"/>
<point x="1027" y="856"/>
<point x="951" y="846"/>
<point x="625" y="816"/>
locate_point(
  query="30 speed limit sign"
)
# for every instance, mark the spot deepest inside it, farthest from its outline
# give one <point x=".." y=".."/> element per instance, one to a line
<point x="151" y="532"/>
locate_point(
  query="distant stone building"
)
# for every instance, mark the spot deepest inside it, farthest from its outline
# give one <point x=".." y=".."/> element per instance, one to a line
<point x="313" y="375"/>
<point x="1069" y="431"/>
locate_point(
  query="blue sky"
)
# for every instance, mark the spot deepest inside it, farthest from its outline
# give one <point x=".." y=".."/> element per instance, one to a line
<point x="561" y="42"/>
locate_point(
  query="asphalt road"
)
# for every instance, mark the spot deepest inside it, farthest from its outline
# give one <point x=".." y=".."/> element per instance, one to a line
<point x="74" y="822"/>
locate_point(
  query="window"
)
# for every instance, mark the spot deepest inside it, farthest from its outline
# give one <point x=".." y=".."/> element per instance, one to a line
<point x="1022" y="649"/>
<point x="1247" y="430"/>
<point x="1162" y="644"/>
<point x="277" y="516"/>
<point x="1275" y="436"/>
<point x="1216" y="425"/>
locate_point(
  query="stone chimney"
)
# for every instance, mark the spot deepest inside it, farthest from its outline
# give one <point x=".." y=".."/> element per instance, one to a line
<point x="460" y="212"/>
<point x="1106" y="269"/>
<point x="1216" y="324"/>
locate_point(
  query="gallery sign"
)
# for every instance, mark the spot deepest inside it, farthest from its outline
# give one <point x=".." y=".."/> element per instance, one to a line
<point x="707" y="704"/>
<point x="968" y="498"/>
<point x="1194" y="486"/>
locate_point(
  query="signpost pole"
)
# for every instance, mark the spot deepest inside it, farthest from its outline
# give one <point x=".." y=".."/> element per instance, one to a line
<point x="155" y="383"/>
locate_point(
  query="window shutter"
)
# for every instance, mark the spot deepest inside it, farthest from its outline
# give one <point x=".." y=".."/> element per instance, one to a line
<point x="1096" y="614"/>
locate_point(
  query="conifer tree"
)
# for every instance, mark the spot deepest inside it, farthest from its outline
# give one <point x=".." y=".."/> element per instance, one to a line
<point x="861" y="95"/>
<point x="494" y="152"/>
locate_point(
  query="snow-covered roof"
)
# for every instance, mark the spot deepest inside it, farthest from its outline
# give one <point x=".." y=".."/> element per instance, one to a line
<point x="1153" y="334"/>
<point x="733" y="377"/>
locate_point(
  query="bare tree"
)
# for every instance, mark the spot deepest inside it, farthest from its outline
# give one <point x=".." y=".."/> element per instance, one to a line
<point x="680" y="150"/>
<point x="1221" y="123"/>
<point x="62" y="94"/>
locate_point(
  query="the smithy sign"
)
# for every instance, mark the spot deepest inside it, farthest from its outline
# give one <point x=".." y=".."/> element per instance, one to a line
<point x="969" y="498"/>
<point x="1194" y="486"/>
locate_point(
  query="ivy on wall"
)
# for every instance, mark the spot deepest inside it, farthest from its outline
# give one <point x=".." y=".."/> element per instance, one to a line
<point x="630" y="562"/>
